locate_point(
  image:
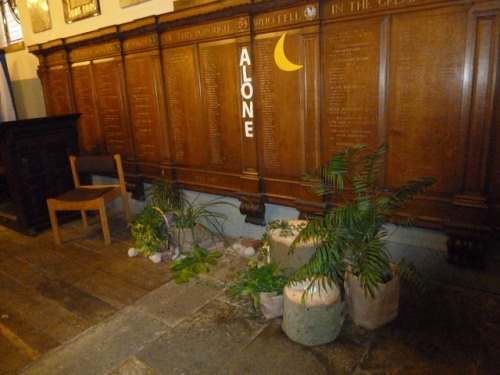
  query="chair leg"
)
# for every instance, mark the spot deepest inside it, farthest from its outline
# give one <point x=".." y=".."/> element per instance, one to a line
<point x="126" y="207"/>
<point x="84" y="218"/>
<point x="53" y="224"/>
<point x="104" y="222"/>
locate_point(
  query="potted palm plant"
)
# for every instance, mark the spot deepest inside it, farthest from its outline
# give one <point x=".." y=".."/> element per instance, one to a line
<point x="353" y="235"/>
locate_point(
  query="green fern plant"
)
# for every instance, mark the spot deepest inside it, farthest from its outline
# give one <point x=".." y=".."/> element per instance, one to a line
<point x="190" y="266"/>
<point x="352" y="232"/>
<point x="259" y="276"/>
<point x="150" y="228"/>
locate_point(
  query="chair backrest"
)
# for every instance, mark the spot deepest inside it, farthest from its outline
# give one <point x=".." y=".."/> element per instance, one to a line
<point x="96" y="164"/>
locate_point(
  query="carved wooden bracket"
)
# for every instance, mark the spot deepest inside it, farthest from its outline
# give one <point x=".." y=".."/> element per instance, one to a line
<point x="253" y="207"/>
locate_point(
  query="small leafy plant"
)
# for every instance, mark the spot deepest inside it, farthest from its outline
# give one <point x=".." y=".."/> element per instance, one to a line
<point x="259" y="276"/>
<point x="286" y="228"/>
<point x="192" y="265"/>
<point x="151" y="227"/>
<point x="149" y="231"/>
<point x="168" y="207"/>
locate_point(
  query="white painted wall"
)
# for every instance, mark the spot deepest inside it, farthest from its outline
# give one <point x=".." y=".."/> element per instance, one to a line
<point x="111" y="14"/>
<point x="23" y="65"/>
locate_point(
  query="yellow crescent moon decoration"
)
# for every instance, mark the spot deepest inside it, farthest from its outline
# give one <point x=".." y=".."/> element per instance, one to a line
<point x="280" y="58"/>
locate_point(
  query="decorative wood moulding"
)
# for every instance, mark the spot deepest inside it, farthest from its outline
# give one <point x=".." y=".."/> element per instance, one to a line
<point x="242" y="97"/>
<point x="183" y="4"/>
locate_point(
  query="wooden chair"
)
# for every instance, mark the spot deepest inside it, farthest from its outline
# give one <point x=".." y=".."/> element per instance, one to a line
<point x="90" y="197"/>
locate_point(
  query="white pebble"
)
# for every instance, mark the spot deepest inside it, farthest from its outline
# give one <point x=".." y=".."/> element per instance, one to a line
<point x="133" y="252"/>
<point x="155" y="258"/>
<point x="238" y="247"/>
<point x="249" y="251"/>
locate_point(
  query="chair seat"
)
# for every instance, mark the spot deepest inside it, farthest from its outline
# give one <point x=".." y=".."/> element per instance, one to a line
<point x="83" y="194"/>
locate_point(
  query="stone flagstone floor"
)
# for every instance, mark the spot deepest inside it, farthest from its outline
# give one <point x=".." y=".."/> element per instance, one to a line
<point x="195" y="329"/>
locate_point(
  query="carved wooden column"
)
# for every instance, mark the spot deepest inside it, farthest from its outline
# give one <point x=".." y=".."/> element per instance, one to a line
<point x="250" y="194"/>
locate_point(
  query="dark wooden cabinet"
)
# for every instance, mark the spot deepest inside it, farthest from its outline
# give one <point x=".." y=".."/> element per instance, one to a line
<point x="34" y="159"/>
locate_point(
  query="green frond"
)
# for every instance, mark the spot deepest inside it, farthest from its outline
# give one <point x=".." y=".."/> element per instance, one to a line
<point x="258" y="277"/>
<point x="190" y="266"/>
<point x="352" y="233"/>
<point x="404" y="194"/>
<point x="373" y="164"/>
<point x="409" y="273"/>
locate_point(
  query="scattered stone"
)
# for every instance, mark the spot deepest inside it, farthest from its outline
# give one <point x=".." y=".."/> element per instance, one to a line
<point x="169" y="253"/>
<point x="177" y="254"/>
<point x="238" y="247"/>
<point x="133" y="252"/>
<point x="155" y="258"/>
<point x="249" y="251"/>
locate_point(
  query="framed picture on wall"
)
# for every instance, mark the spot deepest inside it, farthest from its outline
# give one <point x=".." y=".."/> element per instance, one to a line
<point x="39" y="14"/>
<point x="75" y="10"/>
<point x="127" y="3"/>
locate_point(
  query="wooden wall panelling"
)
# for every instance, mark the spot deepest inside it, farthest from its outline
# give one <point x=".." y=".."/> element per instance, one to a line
<point x="224" y="119"/>
<point x="470" y="226"/>
<point x="146" y="97"/>
<point x="55" y="76"/>
<point x="98" y="77"/>
<point x="204" y="83"/>
<point x="183" y="104"/>
<point x="222" y="131"/>
<point x="494" y="165"/>
<point x="90" y="133"/>
<point x="287" y="105"/>
<point x="354" y="71"/>
<point x="351" y="80"/>
<point x="425" y="101"/>
<point x="91" y="86"/>
<point x="109" y="85"/>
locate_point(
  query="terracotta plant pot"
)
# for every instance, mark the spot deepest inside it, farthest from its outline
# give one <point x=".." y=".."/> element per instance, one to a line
<point x="372" y="312"/>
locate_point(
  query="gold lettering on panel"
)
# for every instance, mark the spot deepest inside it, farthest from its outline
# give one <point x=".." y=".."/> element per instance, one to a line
<point x="357" y="6"/>
<point x="95" y="51"/>
<point x="140" y="43"/>
<point x="203" y="32"/>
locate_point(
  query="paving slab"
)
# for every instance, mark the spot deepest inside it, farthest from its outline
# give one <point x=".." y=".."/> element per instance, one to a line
<point x="172" y="303"/>
<point x="273" y="353"/>
<point x="204" y="343"/>
<point x="103" y="346"/>
<point x="133" y="366"/>
<point x="228" y="267"/>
